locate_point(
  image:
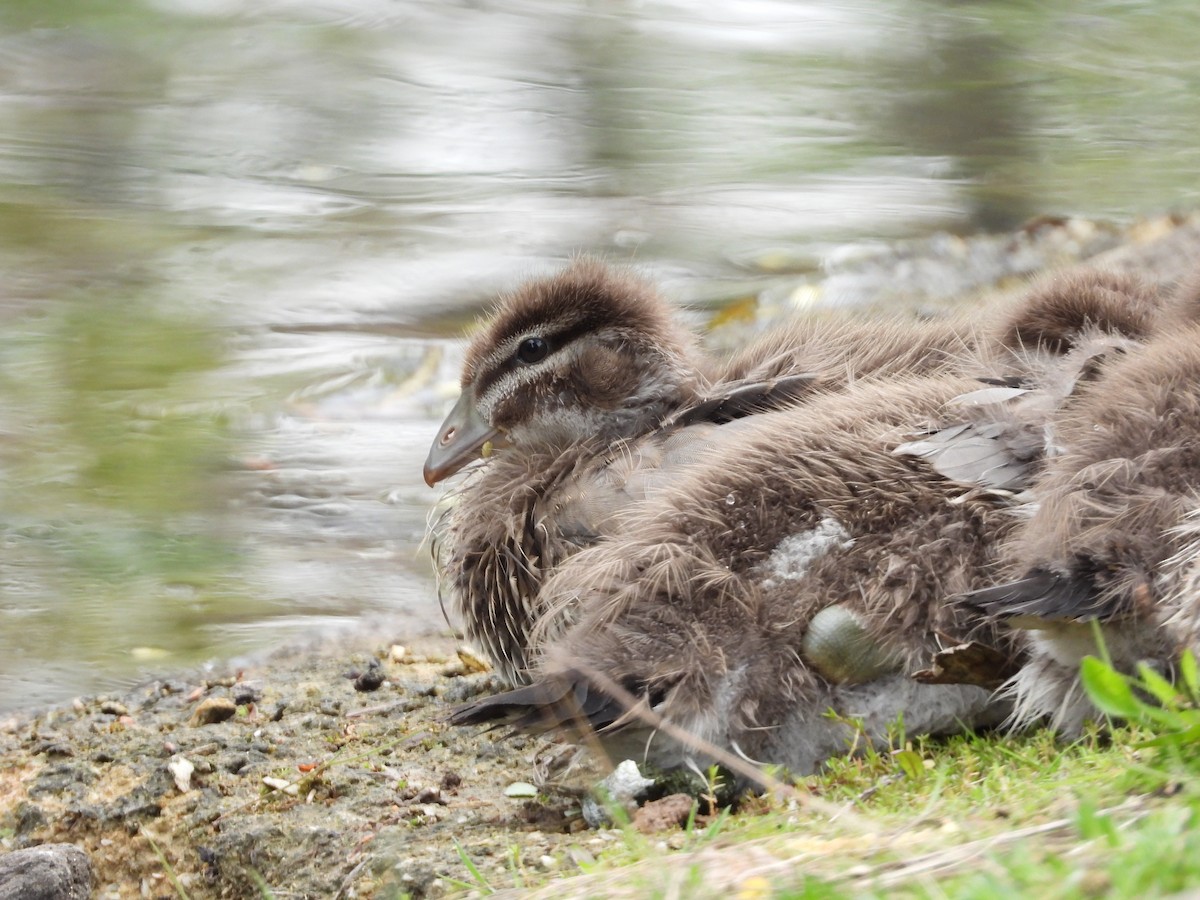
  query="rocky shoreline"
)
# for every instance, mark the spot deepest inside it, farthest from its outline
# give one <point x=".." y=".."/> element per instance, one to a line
<point x="315" y="773"/>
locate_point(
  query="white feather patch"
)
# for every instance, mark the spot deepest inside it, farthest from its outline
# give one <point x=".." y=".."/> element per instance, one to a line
<point x="793" y="556"/>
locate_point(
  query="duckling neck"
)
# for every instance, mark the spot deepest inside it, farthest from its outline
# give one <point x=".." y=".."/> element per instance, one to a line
<point x="501" y="547"/>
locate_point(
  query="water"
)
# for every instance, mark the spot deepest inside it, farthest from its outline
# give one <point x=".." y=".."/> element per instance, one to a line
<point x="240" y="239"/>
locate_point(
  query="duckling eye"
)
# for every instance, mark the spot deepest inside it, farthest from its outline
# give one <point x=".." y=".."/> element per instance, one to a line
<point x="532" y="350"/>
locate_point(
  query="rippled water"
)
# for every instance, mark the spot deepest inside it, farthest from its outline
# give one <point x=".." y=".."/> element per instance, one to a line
<point x="239" y="238"/>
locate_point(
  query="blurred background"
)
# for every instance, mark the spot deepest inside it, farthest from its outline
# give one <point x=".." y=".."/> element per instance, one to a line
<point x="241" y="238"/>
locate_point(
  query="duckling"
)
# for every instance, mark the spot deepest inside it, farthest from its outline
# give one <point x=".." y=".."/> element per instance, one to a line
<point x="593" y="399"/>
<point x="1111" y="494"/>
<point x="1035" y="355"/>
<point x="713" y="606"/>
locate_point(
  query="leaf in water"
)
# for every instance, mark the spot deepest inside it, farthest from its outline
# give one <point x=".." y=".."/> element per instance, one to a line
<point x="1109" y="689"/>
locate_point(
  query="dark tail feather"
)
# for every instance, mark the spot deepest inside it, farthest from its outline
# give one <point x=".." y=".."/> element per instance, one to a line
<point x="561" y="700"/>
<point x="1040" y="595"/>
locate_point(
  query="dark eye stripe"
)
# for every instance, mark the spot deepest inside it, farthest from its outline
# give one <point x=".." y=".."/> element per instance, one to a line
<point x="556" y="341"/>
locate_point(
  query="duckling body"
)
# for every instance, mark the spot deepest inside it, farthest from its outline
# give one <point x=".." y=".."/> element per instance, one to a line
<point x="599" y="402"/>
<point x="1111" y="496"/>
<point x="703" y="607"/>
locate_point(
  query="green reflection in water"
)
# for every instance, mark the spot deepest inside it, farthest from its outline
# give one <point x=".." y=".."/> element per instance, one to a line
<point x="114" y="456"/>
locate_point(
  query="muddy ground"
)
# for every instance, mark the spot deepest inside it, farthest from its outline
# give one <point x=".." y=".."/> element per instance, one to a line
<point x="333" y="775"/>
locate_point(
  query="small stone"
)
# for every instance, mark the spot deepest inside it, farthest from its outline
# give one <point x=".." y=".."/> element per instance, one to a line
<point x="397" y="653"/>
<point x="371" y="678"/>
<point x="213" y="710"/>
<point x="181" y="770"/>
<point x="429" y="795"/>
<point x="282" y="784"/>
<point x="548" y="863"/>
<point x="520" y="789"/>
<point x="622" y="786"/>
<point x="46" y="872"/>
<point x="658" y="815"/>
<point x="113" y="708"/>
<point x="580" y="857"/>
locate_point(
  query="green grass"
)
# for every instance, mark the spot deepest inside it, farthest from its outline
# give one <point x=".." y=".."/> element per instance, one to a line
<point x="1114" y="814"/>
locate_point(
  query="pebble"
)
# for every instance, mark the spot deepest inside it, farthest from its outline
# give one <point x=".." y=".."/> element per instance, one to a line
<point x="113" y="708"/>
<point x="622" y="786"/>
<point x="371" y="679"/>
<point x="282" y="784"/>
<point x="658" y="815"/>
<point x="520" y="789"/>
<point x="181" y="770"/>
<point x="213" y="710"/>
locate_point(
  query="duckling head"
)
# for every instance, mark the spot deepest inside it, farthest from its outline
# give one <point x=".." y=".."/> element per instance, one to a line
<point x="588" y="354"/>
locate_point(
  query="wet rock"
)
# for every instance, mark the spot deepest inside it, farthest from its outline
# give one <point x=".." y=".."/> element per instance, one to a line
<point x="48" y="872"/>
<point x="213" y="710"/>
<point x="345" y="829"/>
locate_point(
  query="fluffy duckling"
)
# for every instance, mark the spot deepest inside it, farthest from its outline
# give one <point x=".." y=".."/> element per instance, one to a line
<point x="1056" y="337"/>
<point x="596" y="399"/>
<point x="799" y="566"/>
<point x="1112" y="492"/>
